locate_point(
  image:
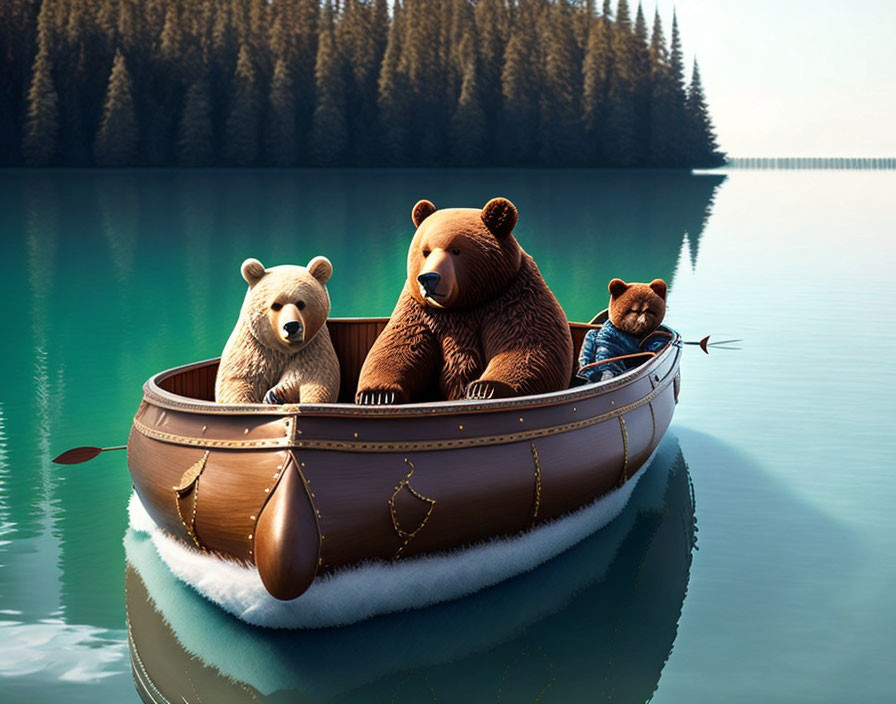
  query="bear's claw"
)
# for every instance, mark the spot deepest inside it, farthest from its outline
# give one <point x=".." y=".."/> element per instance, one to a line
<point x="375" y="398"/>
<point x="484" y="390"/>
<point x="271" y="398"/>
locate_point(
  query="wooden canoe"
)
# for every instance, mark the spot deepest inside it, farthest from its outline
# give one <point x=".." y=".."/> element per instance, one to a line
<point x="303" y="490"/>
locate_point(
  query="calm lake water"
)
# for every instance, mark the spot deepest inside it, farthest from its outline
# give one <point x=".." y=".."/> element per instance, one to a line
<point x="779" y="463"/>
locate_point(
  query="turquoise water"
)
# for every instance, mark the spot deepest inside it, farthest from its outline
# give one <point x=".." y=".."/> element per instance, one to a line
<point x="790" y="594"/>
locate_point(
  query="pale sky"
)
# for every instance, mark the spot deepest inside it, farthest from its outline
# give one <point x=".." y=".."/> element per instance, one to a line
<point x="793" y="77"/>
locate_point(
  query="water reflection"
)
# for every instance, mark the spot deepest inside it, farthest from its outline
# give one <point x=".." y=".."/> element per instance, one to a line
<point x="601" y="618"/>
<point x="178" y="238"/>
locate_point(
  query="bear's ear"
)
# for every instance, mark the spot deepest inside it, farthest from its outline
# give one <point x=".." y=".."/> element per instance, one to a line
<point x="617" y="287"/>
<point x="421" y="211"/>
<point x="321" y="269"/>
<point x="252" y="271"/>
<point x="659" y="288"/>
<point x="499" y="216"/>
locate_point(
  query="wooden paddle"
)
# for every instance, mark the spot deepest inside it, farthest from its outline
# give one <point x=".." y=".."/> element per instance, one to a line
<point x="77" y="455"/>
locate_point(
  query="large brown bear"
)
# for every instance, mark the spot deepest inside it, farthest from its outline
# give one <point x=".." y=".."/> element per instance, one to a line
<point x="475" y="319"/>
<point x="280" y="349"/>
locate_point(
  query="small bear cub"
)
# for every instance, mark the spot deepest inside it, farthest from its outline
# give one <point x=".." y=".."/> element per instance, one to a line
<point x="636" y="311"/>
<point x="280" y="350"/>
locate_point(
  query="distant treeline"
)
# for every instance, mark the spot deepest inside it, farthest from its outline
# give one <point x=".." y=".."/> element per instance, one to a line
<point x="811" y="162"/>
<point x="355" y="83"/>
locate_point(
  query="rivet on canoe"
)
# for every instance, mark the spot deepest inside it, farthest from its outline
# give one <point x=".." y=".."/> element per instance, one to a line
<point x="266" y="491"/>
<point x="251" y="518"/>
<point x="204" y="428"/>
<point x="302" y="463"/>
<point x="521" y="420"/>
<point x="355" y="434"/>
<point x="250" y="536"/>
<point x="574" y="409"/>
<point x="246" y="431"/>
<point x="276" y="475"/>
<point x="460" y="427"/>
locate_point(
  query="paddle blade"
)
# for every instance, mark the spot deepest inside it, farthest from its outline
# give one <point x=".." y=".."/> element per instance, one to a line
<point x="703" y="344"/>
<point x="77" y="455"/>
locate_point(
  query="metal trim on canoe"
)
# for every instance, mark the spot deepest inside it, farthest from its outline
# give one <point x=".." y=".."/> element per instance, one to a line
<point x="287" y="441"/>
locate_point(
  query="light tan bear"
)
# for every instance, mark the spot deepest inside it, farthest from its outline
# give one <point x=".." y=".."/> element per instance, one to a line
<point x="280" y="350"/>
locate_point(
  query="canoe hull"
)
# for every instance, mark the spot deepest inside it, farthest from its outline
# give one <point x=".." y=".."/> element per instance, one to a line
<point x="307" y="491"/>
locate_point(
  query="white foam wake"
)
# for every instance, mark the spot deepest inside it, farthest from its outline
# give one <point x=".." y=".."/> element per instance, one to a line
<point x="369" y="589"/>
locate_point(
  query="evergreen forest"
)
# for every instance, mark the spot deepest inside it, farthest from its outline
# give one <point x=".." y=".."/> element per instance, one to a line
<point x="521" y="83"/>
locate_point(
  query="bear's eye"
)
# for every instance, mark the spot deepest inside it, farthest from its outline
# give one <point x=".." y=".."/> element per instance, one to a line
<point x="300" y="305"/>
<point x="426" y="252"/>
<point x="455" y="251"/>
<point x="276" y="306"/>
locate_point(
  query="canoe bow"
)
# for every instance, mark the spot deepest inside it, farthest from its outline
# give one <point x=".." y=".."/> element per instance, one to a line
<point x="287" y="537"/>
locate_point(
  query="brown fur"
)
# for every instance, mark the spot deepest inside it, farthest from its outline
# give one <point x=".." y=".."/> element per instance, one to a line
<point x="637" y="309"/>
<point x="261" y="356"/>
<point x="491" y="327"/>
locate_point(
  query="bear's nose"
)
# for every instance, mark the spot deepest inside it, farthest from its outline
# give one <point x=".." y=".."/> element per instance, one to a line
<point x="429" y="281"/>
<point x="292" y="327"/>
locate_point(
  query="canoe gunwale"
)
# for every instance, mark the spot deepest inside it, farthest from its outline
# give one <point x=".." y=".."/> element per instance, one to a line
<point x="288" y="442"/>
<point x="154" y="393"/>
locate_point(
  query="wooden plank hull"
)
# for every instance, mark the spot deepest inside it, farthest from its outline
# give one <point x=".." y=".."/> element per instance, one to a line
<point x="302" y="490"/>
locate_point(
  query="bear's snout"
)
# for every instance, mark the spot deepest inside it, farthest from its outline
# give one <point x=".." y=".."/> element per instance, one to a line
<point x="429" y="282"/>
<point x="289" y="325"/>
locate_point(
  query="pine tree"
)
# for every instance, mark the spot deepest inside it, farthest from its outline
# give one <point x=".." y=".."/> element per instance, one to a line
<point x="661" y="99"/>
<point x="259" y="23"/>
<point x="468" y="125"/>
<point x="196" y="133"/>
<point x="520" y="78"/>
<point x="306" y="32"/>
<point x="17" y="53"/>
<point x="703" y="151"/>
<point x="172" y="40"/>
<point x="619" y="145"/>
<point x="641" y="86"/>
<point x="241" y="130"/>
<point x="357" y="47"/>
<point x="420" y="63"/>
<point x="493" y="31"/>
<point x="42" y="129"/>
<point x="329" y="137"/>
<point x="118" y="137"/>
<point x="380" y="29"/>
<point x="392" y="98"/>
<point x="559" y="106"/>
<point x="281" y="132"/>
<point x="597" y="70"/>
<point x="676" y="57"/>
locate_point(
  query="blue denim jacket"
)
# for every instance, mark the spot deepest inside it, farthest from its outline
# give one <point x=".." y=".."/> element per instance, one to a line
<point x="609" y="341"/>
